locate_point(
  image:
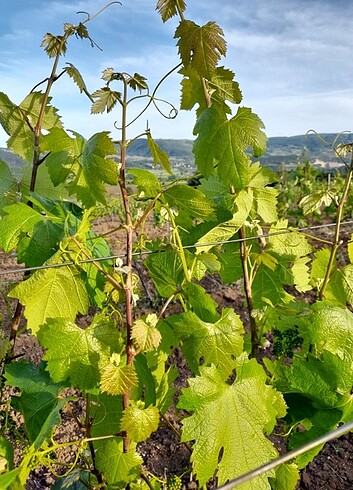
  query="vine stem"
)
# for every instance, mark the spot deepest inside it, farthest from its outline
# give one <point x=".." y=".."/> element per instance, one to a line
<point x="248" y="292"/>
<point x="130" y="351"/>
<point x="336" y="239"/>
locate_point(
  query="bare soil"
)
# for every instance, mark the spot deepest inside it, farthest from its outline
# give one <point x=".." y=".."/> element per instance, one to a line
<point x="163" y="454"/>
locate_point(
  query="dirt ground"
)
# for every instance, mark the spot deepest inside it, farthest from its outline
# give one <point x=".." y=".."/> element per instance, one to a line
<point x="163" y="454"/>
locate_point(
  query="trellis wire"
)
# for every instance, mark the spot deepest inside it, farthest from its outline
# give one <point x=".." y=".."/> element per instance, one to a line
<point x="287" y="457"/>
<point x="149" y="252"/>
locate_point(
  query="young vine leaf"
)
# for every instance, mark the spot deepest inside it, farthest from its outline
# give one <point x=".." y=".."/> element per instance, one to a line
<point x="200" y="47"/>
<point x="106" y="100"/>
<point x="145" y="335"/>
<point x="54" y="45"/>
<point x="139" y="422"/>
<point x="159" y="156"/>
<point x="169" y="8"/>
<point x="117" y="377"/>
<point x="76" y="76"/>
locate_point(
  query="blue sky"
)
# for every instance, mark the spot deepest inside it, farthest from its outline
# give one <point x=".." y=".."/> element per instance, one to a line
<point x="292" y="58"/>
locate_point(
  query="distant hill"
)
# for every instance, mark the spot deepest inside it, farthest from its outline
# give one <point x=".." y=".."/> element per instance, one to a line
<point x="282" y="150"/>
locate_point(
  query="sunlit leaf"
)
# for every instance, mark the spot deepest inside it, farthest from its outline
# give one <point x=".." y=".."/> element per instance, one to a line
<point x="201" y="47"/>
<point x="169" y="8"/>
<point x="106" y="100"/>
<point x="230" y="413"/>
<point x="139" y="422"/>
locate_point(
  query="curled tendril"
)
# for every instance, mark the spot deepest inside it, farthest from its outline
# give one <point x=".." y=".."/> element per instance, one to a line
<point x="152" y="100"/>
<point x="331" y="145"/>
<point x="90" y="17"/>
<point x="173" y="111"/>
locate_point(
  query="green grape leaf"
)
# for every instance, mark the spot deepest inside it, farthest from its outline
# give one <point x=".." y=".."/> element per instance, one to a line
<point x="73" y="353"/>
<point x="54" y="45"/>
<point x="350" y="249"/>
<point x="166" y="389"/>
<point x="220" y="88"/>
<point x="7" y="453"/>
<point x="191" y="204"/>
<point x="41" y="243"/>
<point x="10" y="480"/>
<point x="224" y="86"/>
<point x="330" y="328"/>
<point x="168" y="8"/>
<point x="146" y="182"/>
<point x="77" y="479"/>
<point x="58" y="140"/>
<point x="337" y="289"/>
<point x="200" y="47"/>
<point x="119" y="468"/>
<point x="20" y="121"/>
<point x="95" y="159"/>
<point x="231" y="266"/>
<point x="52" y="293"/>
<point x="236" y="417"/>
<point x="117" y="378"/>
<point x="319" y="266"/>
<point x="287" y="476"/>
<point x="322" y="422"/>
<point x="285" y="242"/>
<point x="44" y="184"/>
<point x="301" y="277"/>
<point x="94" y="168"/>
<point x="106" y="100"/>
<point x="201" y="303"/>
<point x="315" y="200"/>
<point x="139" y="422"/>
<point x="216" y="343"/>
<point x="76" y="76"/>
<point x="226" y="230"/>
<point x="8" y="186"/>
<point x="311" y="379"/>
<point x="38" y="401"/>
<point x="145" y="334"/>
<point x="237" y="134"/>
<point x="166" y="272"/>
<point x="265" y="201"/>
<point x="105" y="411"/>
<point x="268" y="286"/>
<point x="18" y="220"/>
<point x="63" y="154"/>
<point x="192" y="90"/>
<point x="347" y="279"/>
<point x="147" y="374"/>
<point x="159" y="156"/>
<point x="137" y="82"/>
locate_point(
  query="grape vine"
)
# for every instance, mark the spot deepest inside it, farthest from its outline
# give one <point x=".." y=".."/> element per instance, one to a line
<point x="120" y="365"/>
